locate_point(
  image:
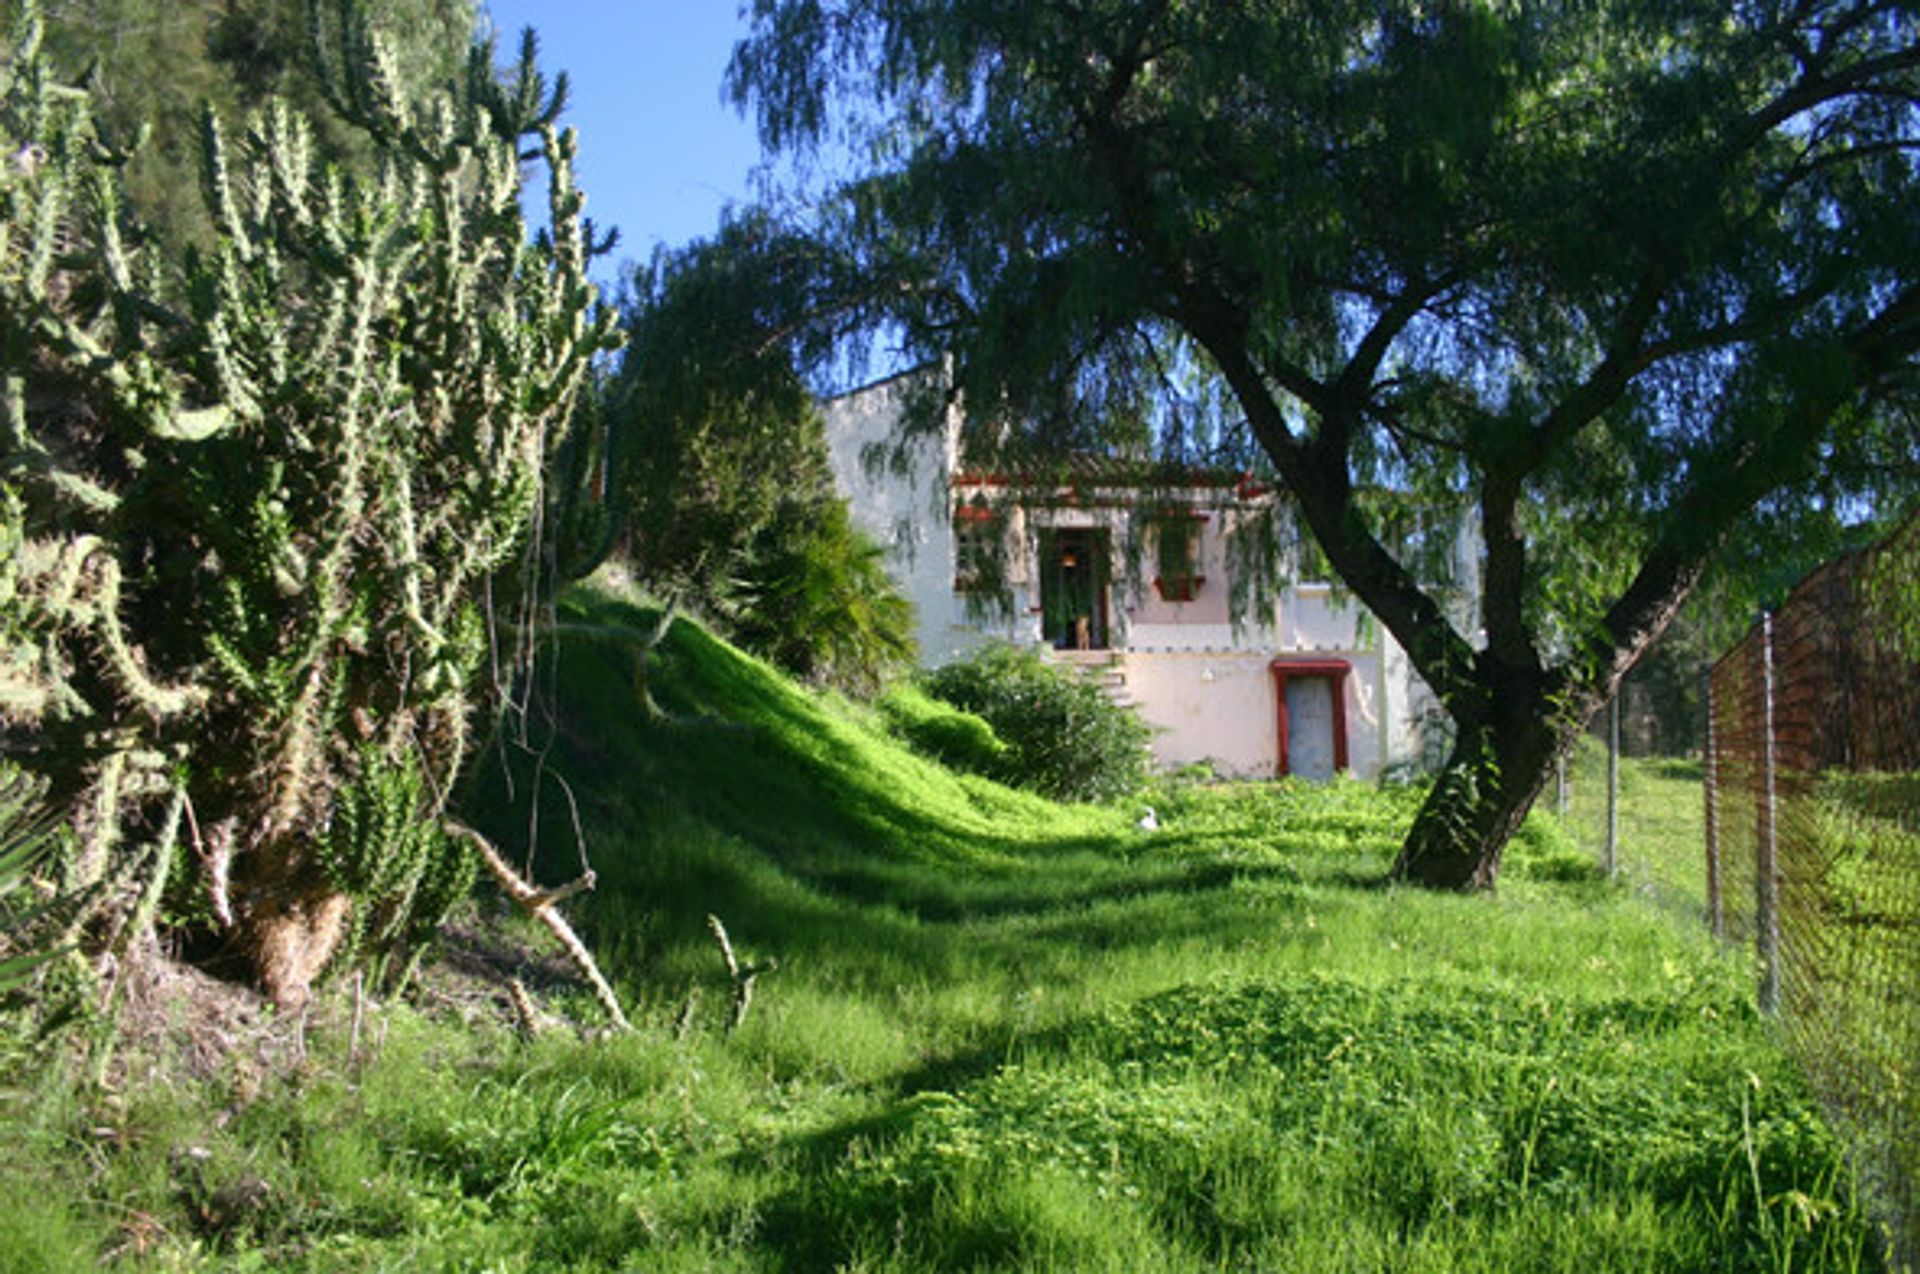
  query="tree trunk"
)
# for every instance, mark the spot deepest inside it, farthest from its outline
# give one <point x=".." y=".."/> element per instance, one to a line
<point x="1481" y="796"/>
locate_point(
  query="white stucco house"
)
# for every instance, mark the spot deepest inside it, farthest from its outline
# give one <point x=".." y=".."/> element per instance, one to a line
<point x="1133" y="588"/>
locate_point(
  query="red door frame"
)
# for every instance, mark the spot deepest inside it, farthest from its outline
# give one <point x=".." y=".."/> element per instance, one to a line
<point x="1335" y="670"/>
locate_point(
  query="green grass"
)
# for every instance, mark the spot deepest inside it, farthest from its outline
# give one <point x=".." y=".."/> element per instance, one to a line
<point x="1003" y="1034"/>
<point x="1662" y="847"/>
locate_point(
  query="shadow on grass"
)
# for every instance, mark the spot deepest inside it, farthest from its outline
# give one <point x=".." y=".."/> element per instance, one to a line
<point x="833" y="1211"/>
<point x="874" y="930"/>
<point x="1043" y="892"/>
<point x="1368" y="878"/>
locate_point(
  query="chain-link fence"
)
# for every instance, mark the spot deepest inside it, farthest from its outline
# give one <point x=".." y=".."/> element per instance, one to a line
<point x="1813" y="847"/>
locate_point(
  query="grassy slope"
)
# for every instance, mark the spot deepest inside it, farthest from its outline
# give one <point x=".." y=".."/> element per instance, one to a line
<point x="1003" y="1034"/>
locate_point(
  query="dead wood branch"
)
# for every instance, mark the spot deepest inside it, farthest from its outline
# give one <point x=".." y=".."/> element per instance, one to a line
<point x="741" y="976"/>
<point x="540" y="904"/>
<point x="526" y="1014"/>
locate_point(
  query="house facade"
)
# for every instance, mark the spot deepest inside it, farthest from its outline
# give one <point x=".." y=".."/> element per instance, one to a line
<point x="1132" y="586"/>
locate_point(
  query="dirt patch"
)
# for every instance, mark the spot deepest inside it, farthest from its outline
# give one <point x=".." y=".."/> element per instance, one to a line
<point x="178" y="1022"/>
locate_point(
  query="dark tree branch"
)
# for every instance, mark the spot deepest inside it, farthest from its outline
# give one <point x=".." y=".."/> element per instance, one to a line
<point x="1607" y="381"/>
<point x="1724" y="491"/>
<point x="1356" y="382"/>
<point x="1325" y="494"/>
<point x="1816" y="89"/>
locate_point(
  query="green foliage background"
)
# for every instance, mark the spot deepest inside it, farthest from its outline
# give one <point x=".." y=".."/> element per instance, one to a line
<point x="717" y="470"/>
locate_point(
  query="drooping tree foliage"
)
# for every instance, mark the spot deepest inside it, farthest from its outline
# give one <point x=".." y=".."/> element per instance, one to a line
<point x="718" y="429"/>
<point x="719" y="455"/>
<point x="1754" y="572"/>
<point x="1605" y="277"/>
<point x="263" y="505"/>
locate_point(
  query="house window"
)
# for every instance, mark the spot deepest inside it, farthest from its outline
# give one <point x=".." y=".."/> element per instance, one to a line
<point x="1177" y="541"/>
<point x="978" y="534"/>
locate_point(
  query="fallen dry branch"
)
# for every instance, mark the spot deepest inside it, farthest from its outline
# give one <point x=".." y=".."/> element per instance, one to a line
<point x="526" y="1014"/>
<point x="742" y="976"/>
<point x="541" y="904"/>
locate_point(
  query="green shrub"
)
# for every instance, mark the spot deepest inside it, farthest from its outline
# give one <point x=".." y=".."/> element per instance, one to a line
<point x="812" y="596"/>
<point x="1064" y="737"/>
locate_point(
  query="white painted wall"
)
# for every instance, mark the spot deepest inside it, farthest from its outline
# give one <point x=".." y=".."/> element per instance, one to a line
<point x="903" y="504"/>
<point x="1207" y="688"/>
<point x="1217" y="708"/>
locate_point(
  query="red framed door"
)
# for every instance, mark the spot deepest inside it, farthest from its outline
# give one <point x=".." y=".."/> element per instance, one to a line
<point x="1310" y="697"/>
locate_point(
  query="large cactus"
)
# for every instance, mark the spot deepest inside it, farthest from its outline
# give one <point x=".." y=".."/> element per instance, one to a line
<point x="260" y="506"/>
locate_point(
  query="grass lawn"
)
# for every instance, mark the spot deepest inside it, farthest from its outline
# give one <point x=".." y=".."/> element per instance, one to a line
<point x="1003" y="1034"/>
<point x="1662" y="847"/>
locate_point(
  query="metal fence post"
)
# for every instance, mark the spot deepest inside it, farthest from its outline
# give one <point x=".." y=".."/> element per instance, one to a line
<point x="1613" y="786"/>
<point x="1710" y="773"/>
<point x="1765" y="883"/>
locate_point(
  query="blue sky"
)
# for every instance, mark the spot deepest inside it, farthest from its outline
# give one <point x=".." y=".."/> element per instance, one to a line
<point x="660" y="155"/>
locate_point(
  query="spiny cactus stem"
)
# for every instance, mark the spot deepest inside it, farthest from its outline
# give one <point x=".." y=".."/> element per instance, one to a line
<point x="102" y="831"/>
<point x="161" y="701"/>
<point x="164" y="848"/>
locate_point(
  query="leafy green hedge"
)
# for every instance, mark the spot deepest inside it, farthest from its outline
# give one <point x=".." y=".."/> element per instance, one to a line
<point x="1062" y="736"/>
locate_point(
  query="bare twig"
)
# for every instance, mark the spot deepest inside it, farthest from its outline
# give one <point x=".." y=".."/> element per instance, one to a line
<point x="216" y="855"/>
<point x="359" y="1011"/>
<point x="554" y="897"/>
<point x="726" y="948"/>
<point x="539" y="903"/>
<point x="683" y="1021"/>
<point x="524" y="1010"/>
<point x="742" y="976"/>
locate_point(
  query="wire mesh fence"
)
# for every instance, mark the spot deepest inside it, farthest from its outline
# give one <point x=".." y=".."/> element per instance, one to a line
<point x="1812" y="771"/>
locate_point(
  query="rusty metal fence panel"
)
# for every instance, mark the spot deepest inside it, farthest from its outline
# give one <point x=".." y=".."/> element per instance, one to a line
<point x="1813" y="799"/>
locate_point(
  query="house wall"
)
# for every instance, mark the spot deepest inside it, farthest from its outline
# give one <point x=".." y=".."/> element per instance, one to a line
<point x="899" y="496"/>
<point x="1220" y="707"/>
<point x="1203" y="682"/>
<point x="1208" y="610"/>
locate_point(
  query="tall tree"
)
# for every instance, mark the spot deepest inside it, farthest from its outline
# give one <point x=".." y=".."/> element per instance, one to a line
<point x="717" y="428"/>
<point x="153" y="66"/>
<point x="1606" y="275"/>
<point x="720" y="465"/>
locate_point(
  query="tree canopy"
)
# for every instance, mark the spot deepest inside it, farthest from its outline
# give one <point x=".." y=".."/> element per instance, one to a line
<point x="154" y="66"/>
<point x="719" y="455"/>
<point x="1609" y="277"/>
